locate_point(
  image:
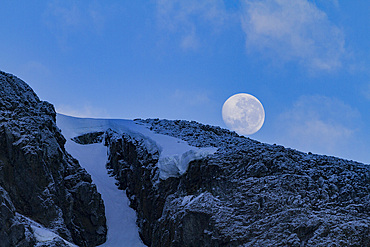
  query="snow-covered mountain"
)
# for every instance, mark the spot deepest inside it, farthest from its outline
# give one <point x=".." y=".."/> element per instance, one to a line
<point x="85" y="142"/>
<point x="245" y="194"/>
<point x="68" y="181"/>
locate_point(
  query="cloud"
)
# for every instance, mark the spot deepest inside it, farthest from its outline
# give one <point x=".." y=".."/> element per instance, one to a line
<point x="85" y="111"/>
<point x="186" y="18"/>
<point x="190" y="41"/>
<point x="293" y="31"/>
<point x="319" y="124"/>
<point x="68" y="16"/>
<point x="65" y="18"/>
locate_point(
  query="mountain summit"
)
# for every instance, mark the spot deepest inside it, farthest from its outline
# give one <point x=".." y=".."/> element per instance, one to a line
<point x="189" y="184"/>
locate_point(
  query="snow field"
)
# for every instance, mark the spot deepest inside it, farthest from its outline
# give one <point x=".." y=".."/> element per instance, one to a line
<point x="121" y="219"/>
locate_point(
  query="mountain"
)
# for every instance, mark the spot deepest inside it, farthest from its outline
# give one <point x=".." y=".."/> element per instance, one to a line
<point x="45" y="194"/>
<point x="190" y="184"/>
<point x="245" y="194"/>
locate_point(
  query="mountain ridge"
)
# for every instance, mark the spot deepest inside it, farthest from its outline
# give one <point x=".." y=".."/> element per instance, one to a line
<point x="246" y="193"/>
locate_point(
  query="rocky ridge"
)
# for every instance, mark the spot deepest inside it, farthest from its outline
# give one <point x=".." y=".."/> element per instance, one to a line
<point x="246" y="194"/>
<point x="39" y="180"/>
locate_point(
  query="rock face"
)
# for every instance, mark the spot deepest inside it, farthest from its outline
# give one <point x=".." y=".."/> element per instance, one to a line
<point x="246" y="194"/>
<point x="39" y="180"/>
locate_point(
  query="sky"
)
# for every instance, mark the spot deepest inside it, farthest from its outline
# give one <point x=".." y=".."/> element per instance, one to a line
<point x="307" y="61"/>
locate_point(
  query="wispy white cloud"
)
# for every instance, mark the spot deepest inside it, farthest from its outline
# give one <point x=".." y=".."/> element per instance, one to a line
<point x="319" y="124"/>
<point x="185" y="18"/>
<point x="64" y="15"/>
<point x="281" y="30"/>
<point x="73" y="17"/>
<point x="190" y="41"/>
<point x="96" y="15"/>
<point x="293" y="31"/>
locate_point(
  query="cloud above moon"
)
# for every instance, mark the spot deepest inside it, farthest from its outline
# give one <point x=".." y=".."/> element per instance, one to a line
<point x="297" y="31"/>
<point x="188" y="18"/>
<point x="243" y="113"/>
<point x="293" y="31"/>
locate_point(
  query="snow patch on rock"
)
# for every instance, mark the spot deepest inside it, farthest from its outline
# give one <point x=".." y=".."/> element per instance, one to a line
<point x="173" y="161"/>
<point x="175" y="154"/>
<point x="42" y="234"/>
<point x="177" y="164"/>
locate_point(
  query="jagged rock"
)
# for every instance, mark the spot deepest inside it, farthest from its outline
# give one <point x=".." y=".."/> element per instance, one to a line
<point x="41" y="180"/>
<point x="12" y="231"/>
<point x="246" y="194"/>
<point x="89" y="138"/>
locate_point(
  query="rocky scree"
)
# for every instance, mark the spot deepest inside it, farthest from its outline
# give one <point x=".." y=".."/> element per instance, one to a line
<point x="246" y="194"/>
<point x="38" y="178"/>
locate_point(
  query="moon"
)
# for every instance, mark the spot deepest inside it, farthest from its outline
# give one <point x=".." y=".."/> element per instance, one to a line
<point x="243" y="113"/>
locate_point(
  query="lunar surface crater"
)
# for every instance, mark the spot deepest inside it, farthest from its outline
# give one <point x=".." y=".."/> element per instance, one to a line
<point x="243" y="113"/>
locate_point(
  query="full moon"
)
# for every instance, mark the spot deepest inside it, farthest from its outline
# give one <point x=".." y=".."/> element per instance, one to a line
<point x="243" y="113"/>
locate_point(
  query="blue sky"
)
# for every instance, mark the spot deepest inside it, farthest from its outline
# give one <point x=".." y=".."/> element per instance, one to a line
<point x="308" y="62"/>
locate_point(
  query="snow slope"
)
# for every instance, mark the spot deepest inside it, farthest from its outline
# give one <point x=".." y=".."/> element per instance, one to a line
<point x="174" y="158"/>
<point x="175" y="154"/>
<point x="121" y="219"/>
<point x="44" y="236"/>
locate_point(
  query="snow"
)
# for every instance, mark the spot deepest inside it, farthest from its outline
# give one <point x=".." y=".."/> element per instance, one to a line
<point x="175" y="155"/>
<point x="121" y="219"/>
<point x="173" y="165"/>
<point x="42" y="234"/>
<point x="186" y="200"/>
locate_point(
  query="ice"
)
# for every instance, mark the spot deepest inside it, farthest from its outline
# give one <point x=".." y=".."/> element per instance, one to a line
<point x="177" y="164"/>
<point x="175" y="154"/>
<point x="121" y="219"/>
<point x="44" y="235"/>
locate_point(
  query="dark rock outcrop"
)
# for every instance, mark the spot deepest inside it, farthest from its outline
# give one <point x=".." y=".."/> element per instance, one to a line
<point x="12" y="231"/>
<point x="89" y="138"/>
<point x="246" y="194"/>
<point x="38" y="178"/>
